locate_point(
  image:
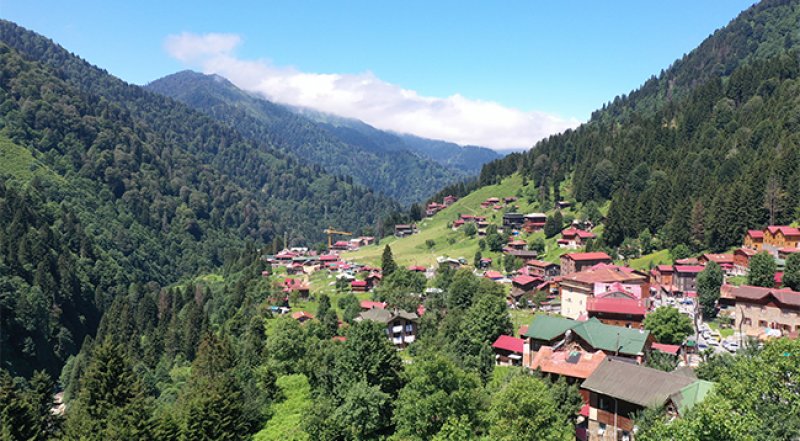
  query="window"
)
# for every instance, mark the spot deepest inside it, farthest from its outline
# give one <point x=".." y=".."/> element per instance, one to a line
<point x="762" y="323"/>
<point x="409" y="328"/>
<point x="602" y="429"/>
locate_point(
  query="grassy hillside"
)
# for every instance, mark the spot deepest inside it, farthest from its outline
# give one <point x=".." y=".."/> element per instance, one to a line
<point x="18" y="163"/>
<point x="286" y="423"/>
<point x="414" y="250"/>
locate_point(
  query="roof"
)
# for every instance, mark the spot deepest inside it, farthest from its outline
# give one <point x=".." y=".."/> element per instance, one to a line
<point x="755" y="234"/>
<point x="665" y="268"/>
<point x="358" y="283"/>
<point x="386" y="316"/>
<point x="785" y="295"/>
<point x="546" y="327"/>
<point x="690" y="395"/>
<point x="612" y="338"/>
<point x="689" y="268"/>
<point x="369" y="304"/>
<point x="541" y="263"/>
<point x="635" y="384"/>
<point x="597" y="255"/>
<point x="509" y="343"/>
<point x="604" y="275"/>
<point x="577" y="364"/>
<point x="667" y="349"/>
<point x="329" y="258"/>
<point x="785" y="230"/>
<point x="747" y="251"/>
<point x="524" y="280"/>
<point x="493" y="275"/>
<point x="518" y="243"/>
<point x="522" y="330"/>
<point x="302" y="314"/>
<point x="580" y="233"/>
<point x="614" y="305"/>
<point x="417" y="268"/>
<point x="719" y="258"/>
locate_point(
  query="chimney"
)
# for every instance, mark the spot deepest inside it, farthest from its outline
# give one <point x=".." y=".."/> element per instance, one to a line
<point x="526" y="353"/>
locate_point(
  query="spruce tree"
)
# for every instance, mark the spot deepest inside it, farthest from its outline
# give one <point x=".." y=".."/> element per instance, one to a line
<point x="709" y="282"/>
<point x="791" y="275"/>
<point x="388" y="264"/>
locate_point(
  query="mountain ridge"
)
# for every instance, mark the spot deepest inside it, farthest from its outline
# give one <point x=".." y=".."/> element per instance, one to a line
<point x="374" y="158"/>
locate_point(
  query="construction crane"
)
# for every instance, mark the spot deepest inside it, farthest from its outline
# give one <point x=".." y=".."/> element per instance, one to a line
<point x="330" y="232"/>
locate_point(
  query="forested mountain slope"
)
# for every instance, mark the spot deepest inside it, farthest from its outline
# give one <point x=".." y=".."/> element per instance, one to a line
<point x="701" y="169"/>
<point x="760" y="32"/>
<point x="123" y="186"/>
<point x="374" y="158"/>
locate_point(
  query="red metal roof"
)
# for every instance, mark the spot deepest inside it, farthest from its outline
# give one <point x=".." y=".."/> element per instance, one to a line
<point x="358" y="283"/>
<point x="492" y="275"/>
<point x="756" y="234"/>
<point x="786" y="230"/>
<point x="417" y="268"/>
<point x="669" y="349"/>
<point x="329" y="258"/>
<point x="524" y="280"/>
<point x="689" y="268"/>
<point x="302" y="314"/>
<point x="665" y="268"/>
<point x="509" y="343"/>
<point x="616" y="305"/>
<point x="598" y="255"/>
<point x="569" y="232"/>
<point x="369" y="304"/>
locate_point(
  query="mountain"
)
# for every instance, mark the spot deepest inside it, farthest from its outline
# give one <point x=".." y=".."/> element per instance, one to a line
<point x="766" y="29"/>
<point x="374" y="158"/>
<point x="106" y="187"/>
<point x="697" y="156"/>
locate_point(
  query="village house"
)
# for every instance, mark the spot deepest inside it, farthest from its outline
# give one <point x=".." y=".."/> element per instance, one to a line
<point x="576" y="262"/>
<point x="760" y="308"/>
<point x="494" y="275"/>
<point x="403" y="230"/>
<point x="484" y="263"/>
<point x="508" y="350"/>
<point x="725" y="261"/>
<point x="618" y="309"/>
<point x="779" y="236"/>
<point x="573" y="364"/>
<point x="545" y="270"/>
<point x="563" y="204"/>
<point x="573" y="238"/>
<point x="449" y="261"/>
<point x="661" y="278"/>
<point x="449" y="200"/>
<point x="366" y="305"/>
<point x="533" y="222"/>
<point x="741" y="261"/>
<point x="489" y="202"/>
<point x="359" y="286"/>
<point x="577" y="288"/>
<point x="517" y="244"/>
<point x="302" y="316"/>
<point x="524" y="285"/>
<point x="619" y="390"/>
<point x="754" y="240"/>
<point x="513" y="220"/>
<point x="590" y="336"/>
<point x="433" y="208"/>
<point x="521" y="254"/>
<point x="401" y="325"/>
<point x="684" y="279"/>
<point x="296" y="286"/>
<point x="341" y="245"/>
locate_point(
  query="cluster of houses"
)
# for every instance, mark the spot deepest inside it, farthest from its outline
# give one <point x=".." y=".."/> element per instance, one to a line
<point x="778" y="240"/>
<point x="434" y="207"/>
<point x="497" y="203"/>
<point x="607" y="362"/>
<point x="599" y="342"/>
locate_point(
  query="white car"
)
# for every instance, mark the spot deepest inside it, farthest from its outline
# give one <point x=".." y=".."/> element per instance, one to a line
<point x="713" y="342"/>
<point x="731" y="346"/>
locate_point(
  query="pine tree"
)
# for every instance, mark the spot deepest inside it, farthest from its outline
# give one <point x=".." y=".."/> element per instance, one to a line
<point x="388" y="264"/>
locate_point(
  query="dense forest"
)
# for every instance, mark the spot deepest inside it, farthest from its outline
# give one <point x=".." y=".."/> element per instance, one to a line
<point x="379" y="160"/>
<point x="147" y="190"/>
<point x="700" y="169"/>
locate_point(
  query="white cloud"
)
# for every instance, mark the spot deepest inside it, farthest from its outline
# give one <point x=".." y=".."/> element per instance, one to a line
<point x="368" y="98"/>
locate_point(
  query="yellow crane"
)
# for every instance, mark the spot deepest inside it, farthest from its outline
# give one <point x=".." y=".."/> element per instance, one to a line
<point x="330" y="232"/>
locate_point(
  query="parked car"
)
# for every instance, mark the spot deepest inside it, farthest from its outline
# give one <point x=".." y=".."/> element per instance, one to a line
<point x="713" y="341"/>
<point x="731" y="346"/>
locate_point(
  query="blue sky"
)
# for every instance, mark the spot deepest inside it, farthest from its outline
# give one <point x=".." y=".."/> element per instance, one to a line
<point x="522" y="69"/>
